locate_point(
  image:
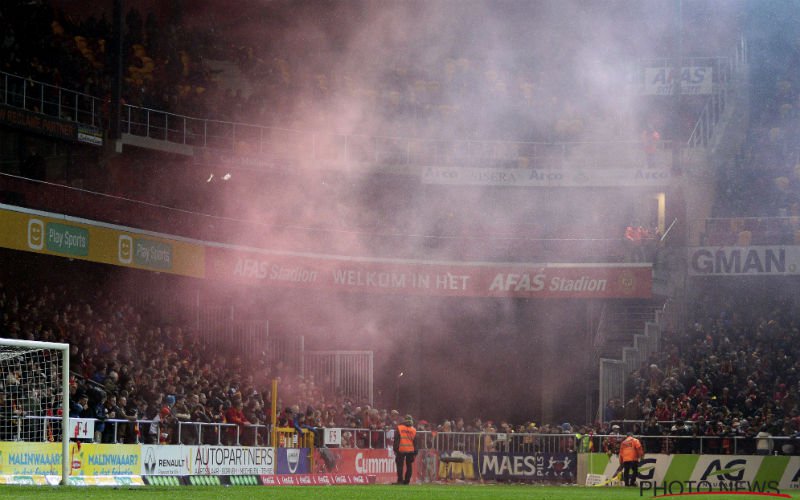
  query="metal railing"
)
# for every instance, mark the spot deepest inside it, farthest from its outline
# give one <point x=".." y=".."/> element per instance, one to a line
<point x="613" y="372"/>
<point x="260" y="146"/>
<point x="196" y="433"/>
<point x="712" y="112"/>
<point x="257" y="146"/>
<point x="745" y="231"/>
<point x="141" y="431"/>
<point x="50" y="100"/>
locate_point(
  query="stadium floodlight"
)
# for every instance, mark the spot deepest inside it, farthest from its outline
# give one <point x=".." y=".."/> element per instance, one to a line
<point x="35" y="375"/>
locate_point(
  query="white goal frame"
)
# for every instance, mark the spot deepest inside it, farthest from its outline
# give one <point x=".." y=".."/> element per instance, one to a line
<point x="64" y="348"/>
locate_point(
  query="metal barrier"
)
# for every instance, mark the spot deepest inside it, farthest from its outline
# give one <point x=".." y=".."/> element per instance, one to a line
<point x="614" y="372"/>
<point x="714" y="108"/>
<point x="251" y="140"/>
<point x="288" y="437"/>
<point x="50" y="100"/>
<point x="259" y="143"/>
<point x="194" y="433"/>
<point x="349" y="373"/>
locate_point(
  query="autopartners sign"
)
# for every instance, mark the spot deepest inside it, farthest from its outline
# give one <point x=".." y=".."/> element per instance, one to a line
<point x="457" y="279"/>
<point x="183" y="460"/>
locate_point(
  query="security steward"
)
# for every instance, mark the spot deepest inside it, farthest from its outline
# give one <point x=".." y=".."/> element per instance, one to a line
<point x="405" y="449"/>
<point x="630" y="452"/>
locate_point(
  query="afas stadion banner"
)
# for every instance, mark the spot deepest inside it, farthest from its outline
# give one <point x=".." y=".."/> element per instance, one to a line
<point x="59" y="235"/>
<point x="537" y="177"/>
<point x="440" y="279"/>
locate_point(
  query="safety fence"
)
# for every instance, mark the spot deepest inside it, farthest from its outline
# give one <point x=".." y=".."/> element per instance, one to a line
<point x="751" y="231"/>
<point x="253" y="143"/>
<point x="142" y="431"/>
<point x="257" y="146"/>
<point x="50" y="100"/>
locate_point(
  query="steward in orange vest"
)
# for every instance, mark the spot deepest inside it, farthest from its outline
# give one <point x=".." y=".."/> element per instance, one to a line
<point x="405" y="449"/>
<point x="630" y="452"/>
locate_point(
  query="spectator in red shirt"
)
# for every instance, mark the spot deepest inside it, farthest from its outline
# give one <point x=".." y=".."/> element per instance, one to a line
<point x="698" y="391"/>
<point x="235" y="415"/>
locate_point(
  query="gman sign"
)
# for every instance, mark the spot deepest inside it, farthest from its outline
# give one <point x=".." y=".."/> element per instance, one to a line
<point x="738" y="261"/>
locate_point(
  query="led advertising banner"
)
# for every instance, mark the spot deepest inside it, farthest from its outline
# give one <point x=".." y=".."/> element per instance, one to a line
<point x="69" y="238"/>
<point x="456" y="279"/>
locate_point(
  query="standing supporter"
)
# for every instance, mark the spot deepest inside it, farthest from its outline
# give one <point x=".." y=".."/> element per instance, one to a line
<point x="185" y="433"/>
<point x="216" y="414"/>
<point x="764" y="442"/>
<point x="650" y="139"/>
<point x="652" y="430"/>
<point x="611" y="442"/>
<point x="97" y="410"/>
<point x="630" y="453"/>
<point x="78" y="405"/>
<point x="112" y="411"/>
<point x="405" y="449"/>
<point x="8" y="418"/>
<point x="201" y="416"/>
<point x="127" y="433"/>
<point x="235" y="415"/>
<point x="160" y="427"/>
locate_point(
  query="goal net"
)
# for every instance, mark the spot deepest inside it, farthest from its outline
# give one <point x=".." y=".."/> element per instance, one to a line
<point x="34" y="391"/>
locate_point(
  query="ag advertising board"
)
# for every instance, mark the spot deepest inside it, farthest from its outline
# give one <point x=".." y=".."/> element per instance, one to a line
<point x="720" y="471"/>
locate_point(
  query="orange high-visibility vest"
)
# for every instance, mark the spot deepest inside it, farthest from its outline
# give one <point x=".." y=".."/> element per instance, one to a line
<point x="406" y="436"/>
<point x="630" y="450"/>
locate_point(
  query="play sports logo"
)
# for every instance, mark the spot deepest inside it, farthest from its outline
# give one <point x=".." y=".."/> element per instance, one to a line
<point x="35" y="234"/>
<point x="125" y="249"/>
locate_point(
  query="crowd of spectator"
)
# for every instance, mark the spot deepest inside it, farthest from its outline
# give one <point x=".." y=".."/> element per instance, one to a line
<point x="138" y="380"/>
<point x="170" y="67"/>
<point x="176" y="68"/>
<point x="761" y="182"/>
<point x="735" y="372"/>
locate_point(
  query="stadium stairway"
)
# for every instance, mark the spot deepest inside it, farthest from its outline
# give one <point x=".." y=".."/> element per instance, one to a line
<point x="620" y="322"/>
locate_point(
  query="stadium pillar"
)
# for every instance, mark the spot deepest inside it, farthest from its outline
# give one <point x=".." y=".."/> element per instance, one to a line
<point x="677" y="97"/>
<point x="548" y="367"/>
<point x="273" y="413"/>
<point x="117" y="62"/>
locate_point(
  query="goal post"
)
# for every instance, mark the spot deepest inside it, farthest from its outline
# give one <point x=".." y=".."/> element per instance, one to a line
<point x="35" y="377"/>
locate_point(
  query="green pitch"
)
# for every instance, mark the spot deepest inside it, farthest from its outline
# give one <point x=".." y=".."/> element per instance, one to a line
<point x="375" y="492"/>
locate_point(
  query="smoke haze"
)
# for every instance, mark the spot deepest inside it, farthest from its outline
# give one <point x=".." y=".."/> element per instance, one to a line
<point x="541" y="71"/>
